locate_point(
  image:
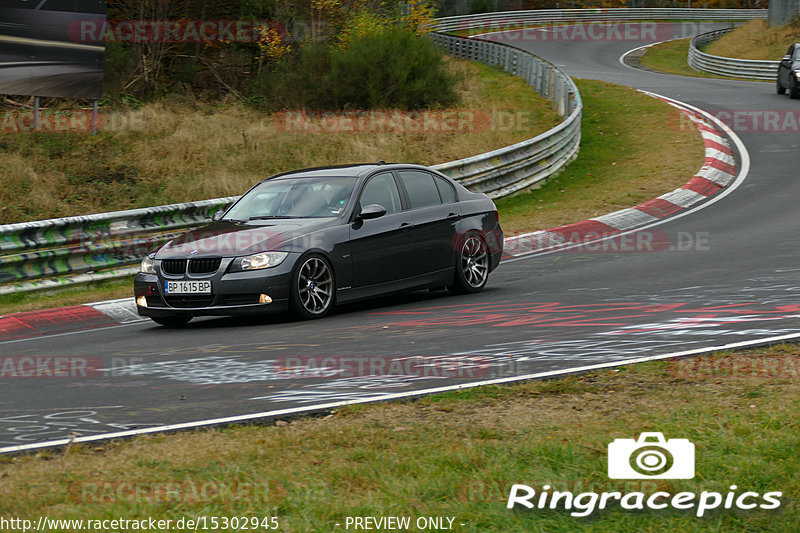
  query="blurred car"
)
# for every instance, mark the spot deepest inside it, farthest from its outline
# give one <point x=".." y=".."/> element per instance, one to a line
<point x="789" y="72"/>
<point x="306" y="240"/>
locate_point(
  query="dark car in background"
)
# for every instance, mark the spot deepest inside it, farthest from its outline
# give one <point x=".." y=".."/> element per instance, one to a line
<point x="309" y="239"/>
<point x="789" y="72"/>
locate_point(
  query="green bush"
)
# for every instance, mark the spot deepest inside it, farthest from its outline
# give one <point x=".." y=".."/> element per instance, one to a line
<point x="393" y="68"/>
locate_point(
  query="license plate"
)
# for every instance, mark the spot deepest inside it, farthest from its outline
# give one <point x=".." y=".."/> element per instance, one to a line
<point x="187" y="287"/>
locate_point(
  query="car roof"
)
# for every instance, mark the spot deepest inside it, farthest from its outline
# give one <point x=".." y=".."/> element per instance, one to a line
<point x="346" y="170"/>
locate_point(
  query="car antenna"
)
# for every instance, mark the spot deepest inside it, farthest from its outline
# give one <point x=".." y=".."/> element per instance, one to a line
<point x="381" y="162"/>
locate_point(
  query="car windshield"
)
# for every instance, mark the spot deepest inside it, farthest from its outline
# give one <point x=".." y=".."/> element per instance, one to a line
<point x="312" y="197"/>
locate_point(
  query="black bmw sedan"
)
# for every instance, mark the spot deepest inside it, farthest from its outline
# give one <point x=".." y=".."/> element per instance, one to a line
<point x="306" y="240"/>
<point x="789" y="72"/>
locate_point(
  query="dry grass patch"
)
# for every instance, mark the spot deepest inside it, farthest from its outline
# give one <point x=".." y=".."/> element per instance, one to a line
<point x="176" y="153"/>
<point x="756" y="40"/>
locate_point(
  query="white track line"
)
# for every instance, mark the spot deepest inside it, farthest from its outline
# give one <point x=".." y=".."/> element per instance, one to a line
<point x="389" y="397"/>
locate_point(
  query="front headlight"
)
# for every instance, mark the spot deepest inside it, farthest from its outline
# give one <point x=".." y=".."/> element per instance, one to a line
<point x="797" y="74"/>
<point x="259" y="261"/>
<point x="148" y="265"/>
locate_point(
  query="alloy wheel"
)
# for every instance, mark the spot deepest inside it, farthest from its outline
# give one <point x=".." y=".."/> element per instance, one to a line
<point x="474" y="261"/>
<point x="315" y="286"/>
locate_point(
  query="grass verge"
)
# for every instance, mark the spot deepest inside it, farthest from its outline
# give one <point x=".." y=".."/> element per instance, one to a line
<point x="95" y="291"/>
<point x="756" y="40"/>
<point x="617" y="167"/>
<point x="456" y="455"/>
<point x="633" y="148"/>
<point x="671" y="57"/>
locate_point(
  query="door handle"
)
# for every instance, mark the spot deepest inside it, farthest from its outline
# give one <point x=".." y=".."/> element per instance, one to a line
<point x="452" y="216"/>
<point x="405" y="226"/>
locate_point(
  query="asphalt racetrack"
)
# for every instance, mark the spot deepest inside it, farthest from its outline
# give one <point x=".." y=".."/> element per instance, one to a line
<point x="724" y="273"/>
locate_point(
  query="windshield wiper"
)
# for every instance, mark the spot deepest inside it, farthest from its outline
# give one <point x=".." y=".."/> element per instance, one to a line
<point x="270" y="217"/>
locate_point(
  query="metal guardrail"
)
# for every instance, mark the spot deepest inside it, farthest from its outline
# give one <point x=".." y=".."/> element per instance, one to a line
<point x="728" y="66"/>
<point x="65" y="251"/>
<point x="504" y="19"/>
<point x="507" y="170"/>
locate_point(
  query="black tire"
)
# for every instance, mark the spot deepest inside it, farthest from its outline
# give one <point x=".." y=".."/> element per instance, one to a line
<point x="472" y="266"/>
<point x="176" y="321"/>
<point x="780" y="88"/>
<point x="313" y="290"/>
<point x="794" y="91"/>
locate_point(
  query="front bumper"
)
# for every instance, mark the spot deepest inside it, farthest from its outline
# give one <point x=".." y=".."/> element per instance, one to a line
<point x="233" y="293"/>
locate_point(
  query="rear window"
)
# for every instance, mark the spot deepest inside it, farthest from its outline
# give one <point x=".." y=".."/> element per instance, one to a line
<point x="446" y="191"/>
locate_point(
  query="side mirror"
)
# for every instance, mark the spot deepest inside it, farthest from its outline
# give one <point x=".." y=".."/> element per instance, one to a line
<point x="217" y="216"/>
<point x="372" y="211"/>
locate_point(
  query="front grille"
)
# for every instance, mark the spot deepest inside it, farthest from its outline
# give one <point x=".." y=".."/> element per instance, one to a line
<point x="204" y="265"/>
<point x="240" y="299"/>
<point x="173" y="266"/>
<point x="190" y="300"/>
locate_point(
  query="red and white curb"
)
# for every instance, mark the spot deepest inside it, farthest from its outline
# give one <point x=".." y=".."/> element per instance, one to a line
<point x="718" y="171"/>
<point x="68" y="319"/>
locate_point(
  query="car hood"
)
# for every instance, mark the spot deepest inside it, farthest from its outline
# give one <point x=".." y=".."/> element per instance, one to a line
<point x="230" y="238"/>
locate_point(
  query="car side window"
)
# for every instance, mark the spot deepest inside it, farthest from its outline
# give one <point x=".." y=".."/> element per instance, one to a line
<point x="446" y="190"/>
<point x="790" y="52"/>
<point x="421" y="189"/>
<point x="382" y="190"/>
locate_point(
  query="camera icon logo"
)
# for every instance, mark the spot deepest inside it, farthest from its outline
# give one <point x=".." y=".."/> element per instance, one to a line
<point x="651" y="457"/>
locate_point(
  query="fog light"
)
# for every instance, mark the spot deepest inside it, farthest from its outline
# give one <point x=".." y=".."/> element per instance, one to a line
<point x="141" y="301"/>
<point x="264" y="299"/>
